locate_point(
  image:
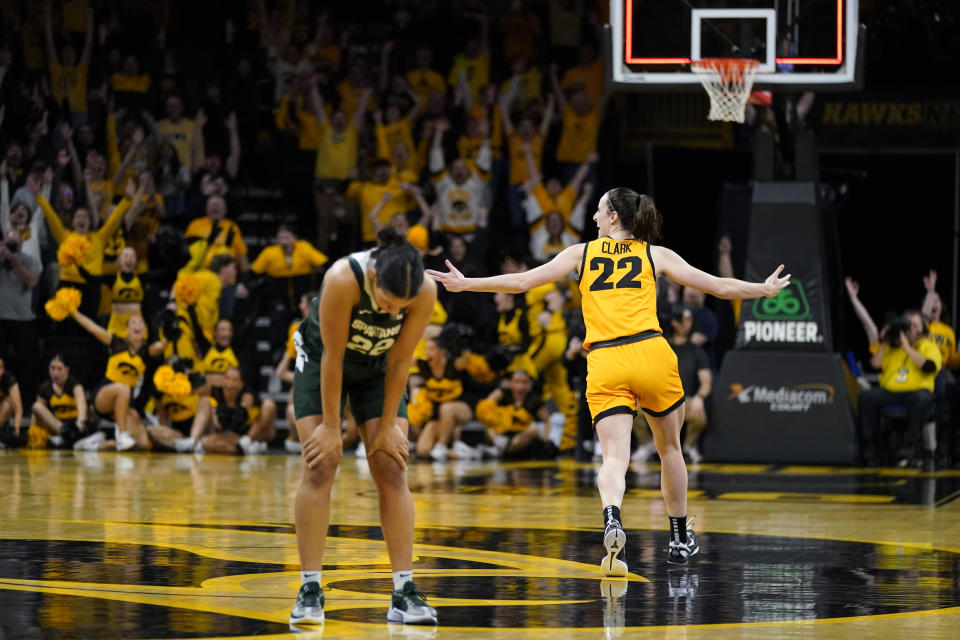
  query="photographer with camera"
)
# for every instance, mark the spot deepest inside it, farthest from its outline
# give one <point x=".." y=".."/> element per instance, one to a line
<point x="908" y="361"/>
<point x="19" y="274"/>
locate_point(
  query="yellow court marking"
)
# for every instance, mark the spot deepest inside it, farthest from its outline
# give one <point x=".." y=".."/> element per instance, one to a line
<point x="806" y="497"/>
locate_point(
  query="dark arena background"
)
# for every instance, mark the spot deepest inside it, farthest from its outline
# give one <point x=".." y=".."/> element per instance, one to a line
<point x="201" y="165"/>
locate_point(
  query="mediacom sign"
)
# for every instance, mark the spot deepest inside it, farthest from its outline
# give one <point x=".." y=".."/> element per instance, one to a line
<point x="793" y="399"/>
<point x="781" y="406"/>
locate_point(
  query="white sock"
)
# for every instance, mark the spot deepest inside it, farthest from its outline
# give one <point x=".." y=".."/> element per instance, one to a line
<point x="309" y="576"/>
<point x="401" y="578"/>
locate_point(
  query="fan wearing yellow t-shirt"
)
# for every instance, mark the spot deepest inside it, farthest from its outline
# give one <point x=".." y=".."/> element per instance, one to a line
<point x="581" y="118"/>
<point x="940" y="331"/>
<point x="337" y="143"/>
<point x="68" y="74"/>
<point x="288" y="265"/>
<point x="523" y="139"/>
<point x="369" y="193"/>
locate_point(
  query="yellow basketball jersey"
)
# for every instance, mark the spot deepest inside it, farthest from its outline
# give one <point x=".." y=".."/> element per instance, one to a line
<point x="618" y="287"/>
<point x="123" y="367"/>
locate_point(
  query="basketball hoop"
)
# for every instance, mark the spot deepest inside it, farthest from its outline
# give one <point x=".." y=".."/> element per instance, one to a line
<point x="728" y="82"/>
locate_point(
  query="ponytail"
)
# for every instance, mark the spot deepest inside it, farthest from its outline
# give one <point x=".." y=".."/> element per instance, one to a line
<point x="637" y="213"/>
<point x="399" y="265"/>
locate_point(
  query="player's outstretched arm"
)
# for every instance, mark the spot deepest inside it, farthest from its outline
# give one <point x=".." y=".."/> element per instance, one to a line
<point x="564" y="262"/>
<point x="670" y="263"/>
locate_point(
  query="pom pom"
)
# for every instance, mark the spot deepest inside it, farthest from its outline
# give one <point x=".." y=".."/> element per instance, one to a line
<point x="62" y="305"/>
<point x="172" y="383"/>
<point x="187" y="288"/>
<point x="73" y="250"/>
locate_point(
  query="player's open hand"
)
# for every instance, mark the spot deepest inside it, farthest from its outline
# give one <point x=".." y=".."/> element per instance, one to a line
<point x="775" y="283"/>
<point x="393" y="442"/>
<point x="325" y="444"/>
<point x="452" y="281"/>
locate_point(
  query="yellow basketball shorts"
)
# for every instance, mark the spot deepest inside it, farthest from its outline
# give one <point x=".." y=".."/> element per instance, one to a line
<point x="623" y="376"/>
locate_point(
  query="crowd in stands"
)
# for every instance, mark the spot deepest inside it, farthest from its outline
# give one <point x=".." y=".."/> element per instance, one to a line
<point x="136" y="136"/>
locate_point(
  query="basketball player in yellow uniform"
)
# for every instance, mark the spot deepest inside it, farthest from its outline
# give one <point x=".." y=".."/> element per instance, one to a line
<point x="629" y="363"/>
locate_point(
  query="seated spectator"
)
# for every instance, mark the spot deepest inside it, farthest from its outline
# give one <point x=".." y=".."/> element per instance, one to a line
<point x="126" y="294"/>
<point x="463" y="191"/>
<point x="241" y="424"/>
<point x="909" y="362"/>
<point x="19" y="275"/>
<point x="125" y="367"/>
<point x="438" y="409"/>
<point x="11" y="410"/>
<point x="288" y="266"/>
<point x="223" y="236"/>
<point x="697" y="379"/>
<point x="61" y="406"/>
<point x="515" y="418"/>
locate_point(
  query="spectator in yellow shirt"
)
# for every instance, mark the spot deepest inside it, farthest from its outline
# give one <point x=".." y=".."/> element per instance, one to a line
<point x="422" y="79"/>
<point x="940" y="331"/>
<point x="224" y="236"/>
<point x="909" y="362"/>
<point x="68" y="74"/>
<point x="472" y="66"/>
<point x="177" y="130"/>
<point x="523" y="139"/>
<point x="288" y="266"/>
<point x="369" y="194"/>
<point x="586" y="76"/>
<point x="581" y="117"/>
<point x="337" y="144"/>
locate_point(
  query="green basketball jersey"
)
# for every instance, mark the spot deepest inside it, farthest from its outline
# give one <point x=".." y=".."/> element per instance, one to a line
<point x="372" y="330"/>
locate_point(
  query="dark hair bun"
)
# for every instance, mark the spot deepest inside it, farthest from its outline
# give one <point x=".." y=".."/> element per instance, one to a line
<point x="388" y="237"/>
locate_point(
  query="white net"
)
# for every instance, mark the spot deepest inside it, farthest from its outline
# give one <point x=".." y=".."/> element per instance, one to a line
<point x="728" y="82"/>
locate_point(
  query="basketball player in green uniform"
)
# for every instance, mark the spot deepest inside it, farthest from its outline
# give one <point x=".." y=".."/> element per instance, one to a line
<point x="357" y="343"/>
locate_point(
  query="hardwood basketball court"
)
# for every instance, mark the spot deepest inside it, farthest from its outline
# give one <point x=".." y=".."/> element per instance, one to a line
<point x="178" y="546"/>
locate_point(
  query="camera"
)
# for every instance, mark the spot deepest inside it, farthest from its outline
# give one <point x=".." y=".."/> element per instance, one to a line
<point x="12" y="246"/>
<point x="895" y="326"/>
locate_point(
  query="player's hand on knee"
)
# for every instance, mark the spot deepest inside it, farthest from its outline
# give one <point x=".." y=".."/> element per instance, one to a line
<point x="325" y="444"/>
<point x="393" y="442"/>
